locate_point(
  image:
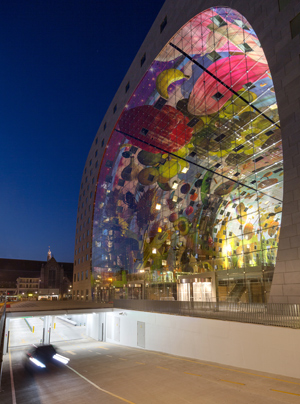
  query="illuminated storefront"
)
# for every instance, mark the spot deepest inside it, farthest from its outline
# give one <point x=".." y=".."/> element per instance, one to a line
<point x="191" y="179"/>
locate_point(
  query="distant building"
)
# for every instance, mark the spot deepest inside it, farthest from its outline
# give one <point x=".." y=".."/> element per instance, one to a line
<point x="44" y="279"/>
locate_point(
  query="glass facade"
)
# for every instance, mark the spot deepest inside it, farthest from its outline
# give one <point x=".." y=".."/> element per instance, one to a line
<point x="191" y="179"/>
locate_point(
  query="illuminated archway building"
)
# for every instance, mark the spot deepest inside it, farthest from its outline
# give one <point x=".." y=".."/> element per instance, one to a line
<point x="184" y="184"/>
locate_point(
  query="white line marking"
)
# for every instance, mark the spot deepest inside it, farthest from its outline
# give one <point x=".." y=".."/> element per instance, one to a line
<point x="99" y="388"/>
<point x="13" y="392"/>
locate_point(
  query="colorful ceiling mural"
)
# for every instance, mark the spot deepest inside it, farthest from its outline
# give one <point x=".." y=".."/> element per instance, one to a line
<point x="192" y="175"/>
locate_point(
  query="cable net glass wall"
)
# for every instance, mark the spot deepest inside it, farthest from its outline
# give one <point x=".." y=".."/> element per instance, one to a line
<point x="192" y="176"/>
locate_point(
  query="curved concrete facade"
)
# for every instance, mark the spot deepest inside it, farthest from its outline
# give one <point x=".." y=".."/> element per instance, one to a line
<point x="273" y="29"/>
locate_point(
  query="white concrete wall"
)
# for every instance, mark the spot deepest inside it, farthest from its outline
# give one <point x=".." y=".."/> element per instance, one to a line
<point x="250" y="346"/>
<point x="94" y="323"/>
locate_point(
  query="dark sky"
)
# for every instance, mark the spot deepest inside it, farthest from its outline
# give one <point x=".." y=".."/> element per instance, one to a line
<point x="61" y="63"/>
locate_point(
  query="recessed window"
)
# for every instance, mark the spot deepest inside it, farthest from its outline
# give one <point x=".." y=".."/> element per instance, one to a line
<point x="104" y="126"/>
<point x="91" y="162"/>
<point x="115" y="108"/>
<point x="213" y="56"/>
<point x="102" y="143"/>
<point x="86" y="274"/>
<point x="87" y="257"/>
<point x="127" y="87"/>
<point x="217" y="96"/>
<point x="245" y="47"/>
<point x="96" y="153"/>
<point x="96" y="141"/>
<point x="218" y="21"/>
<point x="163" y="24"/>
<point x="96" y="164"/>
<point x="143" y="59"/>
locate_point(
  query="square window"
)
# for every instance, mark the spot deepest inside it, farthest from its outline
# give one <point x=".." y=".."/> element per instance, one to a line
<point x="218" y="21"/>
<point x="219" y="138"/>
<point x="213" y="56"/>
<point x="245" y="47"/>
<point x="217" y="96"/>
<point x="193" y="122"/>
<point x="160" y="103"/>
<point x="144" y="131"/>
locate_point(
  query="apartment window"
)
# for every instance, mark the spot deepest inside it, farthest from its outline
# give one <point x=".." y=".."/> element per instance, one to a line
<point x="87" y="245"/>
<point x="85" y="171"/>
<point x="104" y="126"/>
<point x="91" y="172"/>
<point x="127" y="87"/>
<point x="163" y="24"/>
<point x="87" y="294"/>
<point x="143" y="59"/>
<point x="88" y="233"/>
<point x="102" y="143"/>
<point x="93" y="180"/>
<point x="91" y="194"/>
<point x="74" y="277"/>
<point x="75" y="252"/>
<point x="115" y="108"/>
<point x="96" y="153"/>
<point x="79" y="250"/>
<point x="96" y="141"/>
<point x="78" y="274"/>
<point x="96" y="164"/>
<point x="82" y="275"/>
<point x="89" y="208"/>
<point x="87" y="257"/>
<point x="87" y="274"/>
<point x="89" y="220"/>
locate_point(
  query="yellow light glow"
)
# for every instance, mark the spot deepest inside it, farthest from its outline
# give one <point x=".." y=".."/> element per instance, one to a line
<point x="158" y="206"/>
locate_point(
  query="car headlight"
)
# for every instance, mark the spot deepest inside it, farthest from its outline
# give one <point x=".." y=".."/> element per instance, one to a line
<point x="37" y="362"/>
<point x="61" y="359"/>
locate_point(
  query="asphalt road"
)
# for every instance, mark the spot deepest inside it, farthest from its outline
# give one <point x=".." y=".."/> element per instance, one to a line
<point x="106" y="373"/>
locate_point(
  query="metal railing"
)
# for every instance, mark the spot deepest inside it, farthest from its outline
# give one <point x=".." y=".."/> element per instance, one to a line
<point x="2" y="334"/>
<point x="273" y="314"/>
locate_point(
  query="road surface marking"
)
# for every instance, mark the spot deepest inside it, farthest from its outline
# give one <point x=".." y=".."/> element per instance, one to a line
<point x="192" y="374"/>
<point x="286" y="392"/>
<point x="101" y="347"/>
<point x="13" y="392"/>
<point x="229" y="381"/>
<point x="160" y="367"/>
<point x="71" y="352"/>
<point x="90" y="350"/>
<point x="122" y="359"/>
<point x="109" y="356"/>
<point x="140" y="363"/>
<point x="99" y="388"/>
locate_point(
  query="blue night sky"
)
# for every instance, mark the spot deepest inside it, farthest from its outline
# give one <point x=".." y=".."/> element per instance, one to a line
<point x="61" y="64"/>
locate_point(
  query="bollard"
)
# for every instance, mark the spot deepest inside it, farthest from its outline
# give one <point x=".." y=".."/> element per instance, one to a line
<point x="33" y="328"/>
